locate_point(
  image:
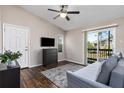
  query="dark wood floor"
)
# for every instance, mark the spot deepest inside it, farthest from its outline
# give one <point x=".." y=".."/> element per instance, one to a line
<point x="32" y="77"/>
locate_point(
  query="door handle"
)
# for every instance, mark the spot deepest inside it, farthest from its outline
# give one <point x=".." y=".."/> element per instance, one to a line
<point x="26" y="49"/>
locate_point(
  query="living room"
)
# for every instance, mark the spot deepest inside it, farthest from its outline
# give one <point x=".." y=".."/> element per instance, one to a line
<point x="69" y="37"/>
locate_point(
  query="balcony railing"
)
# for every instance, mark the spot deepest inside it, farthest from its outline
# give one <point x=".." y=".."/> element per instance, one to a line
<point x="102" y="54"/>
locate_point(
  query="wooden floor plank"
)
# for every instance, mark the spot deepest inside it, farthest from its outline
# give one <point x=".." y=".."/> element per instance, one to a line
<point x="32" y="77"/>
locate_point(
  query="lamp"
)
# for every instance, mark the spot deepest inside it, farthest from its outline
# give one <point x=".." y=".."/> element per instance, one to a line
<point x="63" y="15"/>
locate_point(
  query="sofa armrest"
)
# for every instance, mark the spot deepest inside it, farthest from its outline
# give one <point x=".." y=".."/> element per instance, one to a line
<point x="78" y="82"/>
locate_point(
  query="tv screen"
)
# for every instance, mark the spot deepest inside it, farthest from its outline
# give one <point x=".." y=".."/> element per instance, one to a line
<point x="47" y="42"/>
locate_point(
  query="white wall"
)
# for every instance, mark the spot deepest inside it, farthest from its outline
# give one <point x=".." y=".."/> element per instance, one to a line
<point x="74" y="46"/>
<point x="38" y="28"/>
<point x="74" y="41"/>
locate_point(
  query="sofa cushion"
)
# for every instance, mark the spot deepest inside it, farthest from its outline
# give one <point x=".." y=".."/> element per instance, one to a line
<point x="121" y="62"/>
<point x="117" y="77"/>
<point x="90" y="72"/>
<point x="119" y="55"/>
<point x="106" y="70"/>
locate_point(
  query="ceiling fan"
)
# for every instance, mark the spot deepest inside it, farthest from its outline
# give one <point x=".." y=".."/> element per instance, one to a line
<point x="63" y="12"/>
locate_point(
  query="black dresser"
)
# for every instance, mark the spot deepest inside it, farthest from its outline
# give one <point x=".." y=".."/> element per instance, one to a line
<point x="9" y="76"/>
<point x="50" y="56"/>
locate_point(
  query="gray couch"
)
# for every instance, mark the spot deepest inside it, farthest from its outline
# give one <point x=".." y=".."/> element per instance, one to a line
<point x="115" y="80"/>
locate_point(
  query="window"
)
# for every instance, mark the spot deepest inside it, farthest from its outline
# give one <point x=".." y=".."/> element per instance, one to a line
<point x="100" y="44"/>
<point x="60" y="43"/>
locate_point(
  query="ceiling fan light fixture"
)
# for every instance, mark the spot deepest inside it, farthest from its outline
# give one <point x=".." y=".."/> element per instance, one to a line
<point x="63" y="15"/>
<point x="63" y="12"/>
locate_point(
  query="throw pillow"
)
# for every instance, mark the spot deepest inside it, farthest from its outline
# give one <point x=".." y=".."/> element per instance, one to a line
<point x="106" y="70"/>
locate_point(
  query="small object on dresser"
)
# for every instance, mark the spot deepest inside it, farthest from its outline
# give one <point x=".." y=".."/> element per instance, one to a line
<point x="10" y="58"/>
<point x="11" y="63"/>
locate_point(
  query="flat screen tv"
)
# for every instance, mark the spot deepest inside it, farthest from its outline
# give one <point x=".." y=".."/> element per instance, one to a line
<point x="47" y="42"/>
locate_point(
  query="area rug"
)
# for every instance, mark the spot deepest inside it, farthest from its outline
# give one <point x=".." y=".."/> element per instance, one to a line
<point x="58" y="74"/>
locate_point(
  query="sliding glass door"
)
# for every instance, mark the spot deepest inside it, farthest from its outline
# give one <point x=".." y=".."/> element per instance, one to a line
<point x="92" y="47"/>
<point x="100" y="44"/>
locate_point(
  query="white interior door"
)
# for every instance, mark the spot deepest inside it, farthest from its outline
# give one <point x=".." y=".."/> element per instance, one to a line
<point x="16" y="38"/>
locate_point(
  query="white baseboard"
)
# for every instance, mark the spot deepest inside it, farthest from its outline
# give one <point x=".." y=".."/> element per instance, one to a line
<point x="35" y="65"/>
<point x="58" y="61"/>
<point x="61" y="60"/>
<point x="41" y="64"/>
<point x="75" y="62"/>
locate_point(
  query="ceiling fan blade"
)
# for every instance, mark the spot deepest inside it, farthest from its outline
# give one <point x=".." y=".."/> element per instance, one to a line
<point x="53" y="10"/>
<point x="73" y="12"/>
<point x="68" y="19"/>
<point x="56" y="16"/>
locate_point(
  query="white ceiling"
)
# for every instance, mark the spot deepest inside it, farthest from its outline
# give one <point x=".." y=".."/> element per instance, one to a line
<point x="89" y="15"/>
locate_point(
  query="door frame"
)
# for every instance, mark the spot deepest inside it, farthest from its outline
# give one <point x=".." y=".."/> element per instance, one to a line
<point x="17" y="26"/>
<point x="114" y="40"/>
